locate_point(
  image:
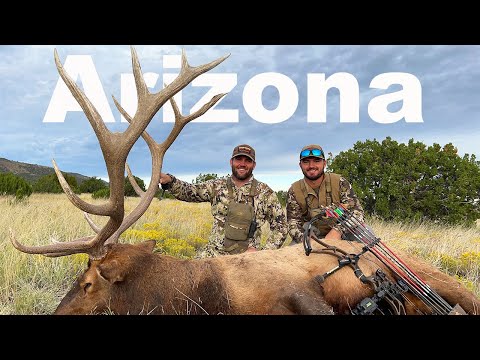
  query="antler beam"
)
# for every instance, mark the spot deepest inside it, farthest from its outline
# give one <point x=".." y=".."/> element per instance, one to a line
<point x="115" y="149"/>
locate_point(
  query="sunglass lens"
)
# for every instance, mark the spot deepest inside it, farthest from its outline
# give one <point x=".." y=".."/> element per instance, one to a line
<point x="314" y="152"/>
<point x="305" y="153"/>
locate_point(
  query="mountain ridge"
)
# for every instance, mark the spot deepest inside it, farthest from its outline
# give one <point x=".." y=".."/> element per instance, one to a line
<point x="32" y="172"/>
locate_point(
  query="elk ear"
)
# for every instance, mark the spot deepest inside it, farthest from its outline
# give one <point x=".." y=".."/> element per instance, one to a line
<point x="148" y="245"/>
<point x="112" y="271"/>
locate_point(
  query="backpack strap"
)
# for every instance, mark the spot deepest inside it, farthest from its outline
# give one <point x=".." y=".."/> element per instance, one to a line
<point x="301" y="195"/>
<point x="253" y="190"/>
<point x="332" y="188"/>
<point x="328" y="189"/>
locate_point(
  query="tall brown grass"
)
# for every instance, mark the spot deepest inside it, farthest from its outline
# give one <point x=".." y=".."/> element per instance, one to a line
<point x="34" y="284"/>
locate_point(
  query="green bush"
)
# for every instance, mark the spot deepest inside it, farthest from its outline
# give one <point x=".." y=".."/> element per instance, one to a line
<point x="101" y="194"/>
<point x="162" y="194"/>
<point x="50" y="184"/>
<point x="412" y="182"/>
<point x="129" y="190"/>
<point x="11" y="184"/>
<point x="91" y="185"/>
<point x="104" y="193"/>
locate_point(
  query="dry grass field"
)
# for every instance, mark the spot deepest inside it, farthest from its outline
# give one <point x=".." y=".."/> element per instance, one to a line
<point x="34" y="284"/>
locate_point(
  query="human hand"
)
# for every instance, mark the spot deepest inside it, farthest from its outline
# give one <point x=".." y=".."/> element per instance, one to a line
<point x="165" y="178"/>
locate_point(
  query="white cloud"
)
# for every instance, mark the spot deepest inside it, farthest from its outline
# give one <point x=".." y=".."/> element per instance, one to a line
<point x="450" y="78"/>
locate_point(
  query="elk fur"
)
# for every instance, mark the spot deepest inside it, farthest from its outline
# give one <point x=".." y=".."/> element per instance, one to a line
<point x="132" y="279"/>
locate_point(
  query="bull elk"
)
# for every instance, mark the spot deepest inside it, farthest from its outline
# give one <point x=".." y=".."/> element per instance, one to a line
<point x="132" y="279"/>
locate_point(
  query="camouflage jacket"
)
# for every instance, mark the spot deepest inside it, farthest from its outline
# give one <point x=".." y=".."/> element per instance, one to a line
<point x="266" y="204"/>
<point x="295" y="218"/>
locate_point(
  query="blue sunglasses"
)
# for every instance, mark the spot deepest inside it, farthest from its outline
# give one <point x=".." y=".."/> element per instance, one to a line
<point x="311" y="152"/>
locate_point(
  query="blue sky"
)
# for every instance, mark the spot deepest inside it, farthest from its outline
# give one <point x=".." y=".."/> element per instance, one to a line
<point x="449" y="103"/>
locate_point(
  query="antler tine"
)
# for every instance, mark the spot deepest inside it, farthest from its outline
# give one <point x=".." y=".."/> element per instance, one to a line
<point x="90" y="111"/>
<point x="102" y="209"/>
<point x="142" y="90"/>
<point x="157" y="151"/>
<point x="149" y="104"/>
<point x="91" y="245"/>
<point x="181" y="121"/>
<point x="91" y="223"/>
<point x="132" y="180"/>
<point x="53" y="249"/>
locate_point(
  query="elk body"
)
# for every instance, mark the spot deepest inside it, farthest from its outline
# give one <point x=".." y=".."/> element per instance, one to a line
<point x="131" y="279"/>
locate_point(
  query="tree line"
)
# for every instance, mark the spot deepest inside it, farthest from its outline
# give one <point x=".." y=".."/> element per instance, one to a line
<point x="394" y="181"/>
<point x="11" y="184"/>
<point x="408" y="182"/>
<point x="412" y="182"/>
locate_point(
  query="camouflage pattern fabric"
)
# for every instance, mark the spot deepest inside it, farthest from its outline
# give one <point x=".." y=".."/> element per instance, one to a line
<point x="295" y="219"/>
<point x="266" y="204"/>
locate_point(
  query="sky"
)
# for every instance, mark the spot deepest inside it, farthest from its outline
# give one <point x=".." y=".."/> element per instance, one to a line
<point x="275" y="96"/>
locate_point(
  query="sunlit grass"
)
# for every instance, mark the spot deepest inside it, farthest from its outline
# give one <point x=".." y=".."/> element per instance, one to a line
<point x="34" y="284"/>
<point x="453" y="249"/>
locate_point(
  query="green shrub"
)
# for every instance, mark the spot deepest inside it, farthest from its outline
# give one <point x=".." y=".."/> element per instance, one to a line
<point x="50" y="184"/>
<point x="11" y="184"/>
<point x="129" y="190"/>
<point x="91" y="185"/>
<point x="101" y="194"/>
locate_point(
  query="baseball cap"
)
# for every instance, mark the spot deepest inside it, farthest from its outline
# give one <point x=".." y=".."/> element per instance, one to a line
<point x="244" y="149"/>
<point x="312" y="151"/>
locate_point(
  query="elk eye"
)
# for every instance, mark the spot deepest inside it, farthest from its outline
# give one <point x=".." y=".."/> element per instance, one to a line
<point x="86" y="286"/>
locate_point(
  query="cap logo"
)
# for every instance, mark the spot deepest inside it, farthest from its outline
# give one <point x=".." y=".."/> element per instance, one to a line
<point x="244" y="149"/>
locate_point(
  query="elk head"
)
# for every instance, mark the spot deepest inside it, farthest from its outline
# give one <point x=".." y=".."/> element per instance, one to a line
<point x="115" y="149"/>
<point x="105" y="286"/>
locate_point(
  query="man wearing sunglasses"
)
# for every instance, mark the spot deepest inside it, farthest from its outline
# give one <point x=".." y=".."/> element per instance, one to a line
<point x="241" y="205"/>
<point x="307" y="196"/>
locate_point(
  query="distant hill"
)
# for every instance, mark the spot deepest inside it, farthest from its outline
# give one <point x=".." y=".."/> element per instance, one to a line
<point x="32" y="172"/>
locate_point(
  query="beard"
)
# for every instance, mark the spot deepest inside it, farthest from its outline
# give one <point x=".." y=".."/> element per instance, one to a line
<point x="241" y="177"/>
<point x="313" y="178"/>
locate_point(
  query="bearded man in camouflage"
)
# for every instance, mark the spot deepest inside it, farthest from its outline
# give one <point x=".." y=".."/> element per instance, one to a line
<point x="307" y="196"/>
<point x="233" y="192"/>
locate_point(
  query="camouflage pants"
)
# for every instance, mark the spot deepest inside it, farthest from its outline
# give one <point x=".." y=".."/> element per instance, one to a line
<point x="209" y="251"/>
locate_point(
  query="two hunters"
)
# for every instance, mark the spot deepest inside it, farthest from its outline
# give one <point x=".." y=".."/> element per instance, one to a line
<point x="241" y="204"/>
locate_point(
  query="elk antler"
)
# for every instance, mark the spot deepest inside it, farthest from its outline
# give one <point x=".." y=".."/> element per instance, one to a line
<point x="115" y="149"/>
